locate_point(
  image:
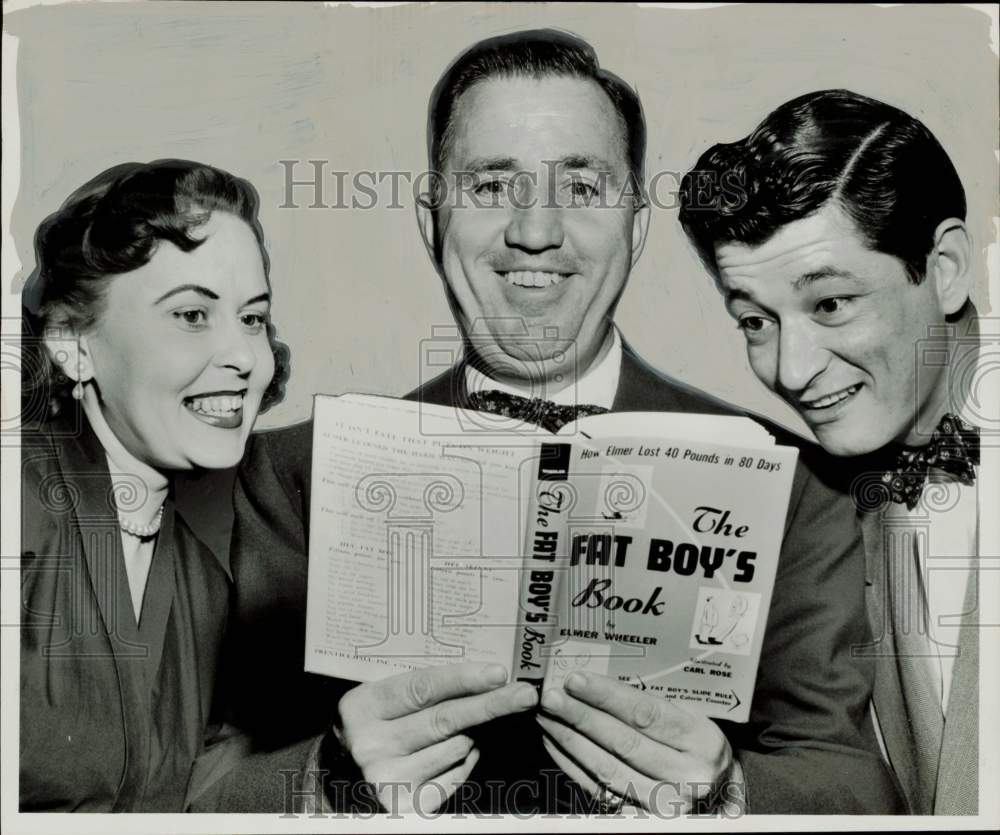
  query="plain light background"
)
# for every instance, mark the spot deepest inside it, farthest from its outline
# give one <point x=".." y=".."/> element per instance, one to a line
<point x="244" y="85"/>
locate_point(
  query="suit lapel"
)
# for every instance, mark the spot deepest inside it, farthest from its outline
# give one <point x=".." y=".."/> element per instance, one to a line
<point x="195" y="500"/>
<point x="890" y="706"/>
<point x="85" y="474"/>
<point x="88" y="482"/>
<point x="159" y="596"/>
<point x="958" y="773"/>
<point x="641" y="388"/>
<point x="628" y="396"/>
<point x="628" y="383"/>
<point x="447" y="389"/>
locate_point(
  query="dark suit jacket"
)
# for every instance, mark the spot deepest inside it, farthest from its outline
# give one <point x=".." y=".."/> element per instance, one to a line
<point x="808" y="746"/>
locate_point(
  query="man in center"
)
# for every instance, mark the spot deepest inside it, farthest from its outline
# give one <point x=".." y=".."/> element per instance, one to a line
<point x="534" y="226"/>
<point x="537" y="220"/>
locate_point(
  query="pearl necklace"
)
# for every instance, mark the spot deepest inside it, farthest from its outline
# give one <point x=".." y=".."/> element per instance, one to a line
<point x="143" y="531"/>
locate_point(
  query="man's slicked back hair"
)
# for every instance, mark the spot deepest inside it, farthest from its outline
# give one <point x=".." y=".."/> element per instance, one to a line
<point x="881" y="166"/>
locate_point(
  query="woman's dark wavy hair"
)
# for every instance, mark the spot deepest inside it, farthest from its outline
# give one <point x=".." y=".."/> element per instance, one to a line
<point x="884" y="168"/>
<point x="111" y="225"/>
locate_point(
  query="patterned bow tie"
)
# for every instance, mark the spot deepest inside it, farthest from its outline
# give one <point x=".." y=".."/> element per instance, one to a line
<point x="953" y="448"/>
<point x="544" y="413"/>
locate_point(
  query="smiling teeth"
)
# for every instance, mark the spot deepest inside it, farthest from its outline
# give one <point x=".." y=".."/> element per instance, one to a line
<point x="831" y="399"/>
<point x="225" y="405"/>
<point x="530" y="278"/>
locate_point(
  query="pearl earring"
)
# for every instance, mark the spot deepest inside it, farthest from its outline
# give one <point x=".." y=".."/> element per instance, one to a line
<point x="78" y="390"/>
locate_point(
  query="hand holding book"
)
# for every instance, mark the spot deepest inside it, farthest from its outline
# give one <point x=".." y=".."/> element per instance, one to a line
<point x="609" y="737"/>
<point x="406" y="732"/>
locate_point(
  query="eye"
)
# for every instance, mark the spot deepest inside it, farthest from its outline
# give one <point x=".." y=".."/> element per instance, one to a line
<point x="489" y="187"/>
<point x="754" y="326"/>
<point x="582" y="195"/>
<point x="751" y="323"/>
<point x="254" y="322"/>
<point x="193" y="318"/>
<point x="493" y="189"/>
<point x="834" y="305"/>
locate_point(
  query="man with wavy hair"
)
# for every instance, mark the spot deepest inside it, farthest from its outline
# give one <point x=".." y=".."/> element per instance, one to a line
<point x="836" y="234"/>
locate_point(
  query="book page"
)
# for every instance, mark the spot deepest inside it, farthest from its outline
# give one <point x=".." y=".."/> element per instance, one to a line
<point x="667" y="567"/>
<point x="415" y="538"/>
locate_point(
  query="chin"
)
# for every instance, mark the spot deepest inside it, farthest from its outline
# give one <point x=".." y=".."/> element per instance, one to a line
<point x="847" y="446"/>
<point x="512" y="359"/>
<point x="219" y="458"/>
<point x="529" y="348"/>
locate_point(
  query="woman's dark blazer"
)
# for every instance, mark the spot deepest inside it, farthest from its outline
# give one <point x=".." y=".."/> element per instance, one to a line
<point x="114" y="714"/>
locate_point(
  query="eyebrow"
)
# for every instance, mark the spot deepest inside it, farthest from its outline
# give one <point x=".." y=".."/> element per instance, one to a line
<point x="184" y="288"/>
<point x="483" y="164"/>
<point x="738" y="295"/>
<point x="804" y="280"/>
<point x="584" y="161"/>
<point x="480" y="165"/>
<point x="208" y="294"/>
<point x="823" y="272"/>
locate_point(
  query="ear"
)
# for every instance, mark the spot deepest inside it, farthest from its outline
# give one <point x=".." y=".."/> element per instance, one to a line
<point x="640" y="228"/>
<point x="949" y="264"/>
<point x="425" y="221"/>
<point x="72" y="354"/>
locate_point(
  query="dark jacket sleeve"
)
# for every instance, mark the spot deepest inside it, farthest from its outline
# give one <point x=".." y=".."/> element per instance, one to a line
<point x="282" y="709"/>
<point x="809" y="746"/>
<point x="231" y="777"/>
<point x="272" y="696"/>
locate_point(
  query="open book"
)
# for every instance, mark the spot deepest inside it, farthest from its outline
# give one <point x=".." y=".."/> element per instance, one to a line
<point x="642" y="546"/>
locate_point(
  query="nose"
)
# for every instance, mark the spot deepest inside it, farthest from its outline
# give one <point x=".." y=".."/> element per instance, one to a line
<point x="234" y="349"/>
<point x="535" y="227"/>
<point x="800" y="356"/>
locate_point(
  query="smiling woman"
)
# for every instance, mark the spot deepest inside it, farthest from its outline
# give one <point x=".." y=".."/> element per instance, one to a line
<point x="152" y="354"/>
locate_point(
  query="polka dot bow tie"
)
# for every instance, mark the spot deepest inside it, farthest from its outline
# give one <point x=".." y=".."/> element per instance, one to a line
<point x="953" y="448"/>
<point x="544" y="413"/>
